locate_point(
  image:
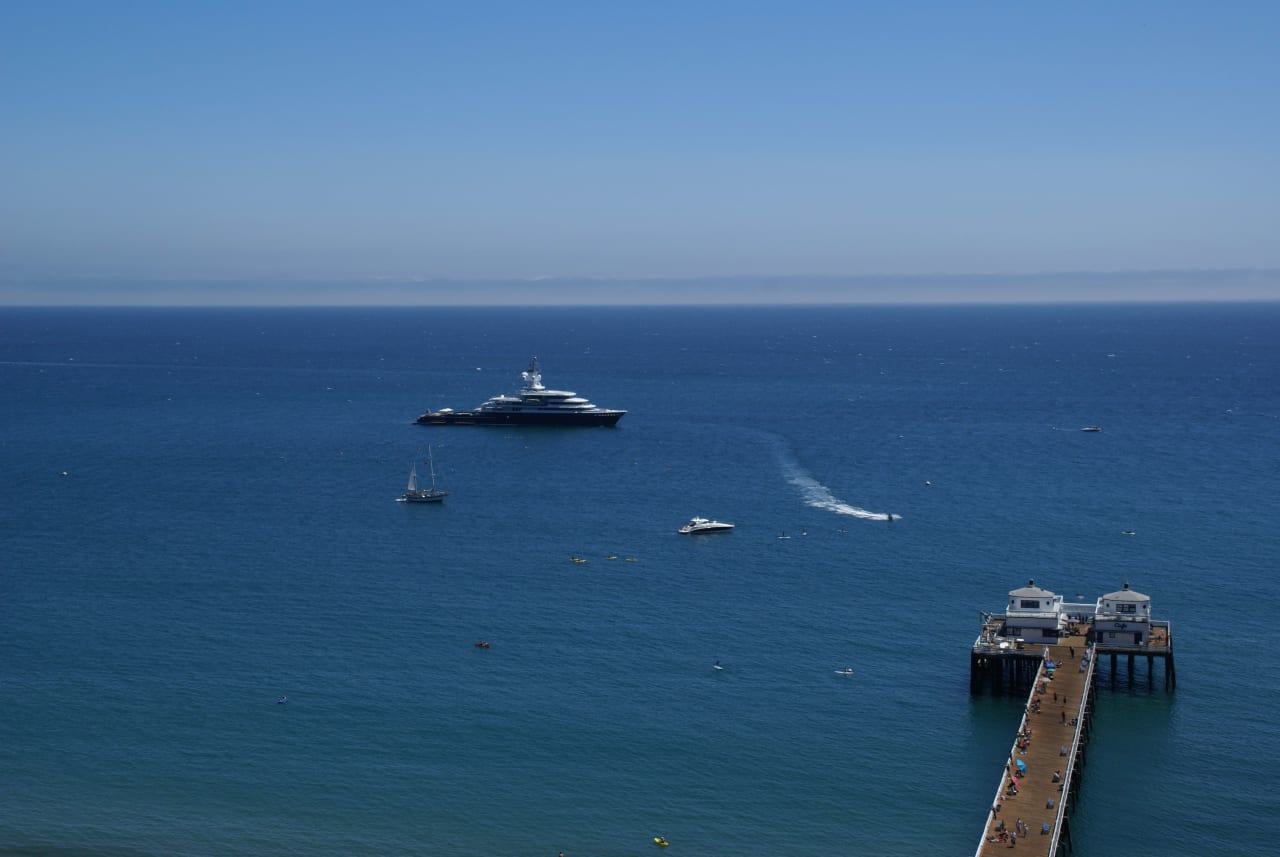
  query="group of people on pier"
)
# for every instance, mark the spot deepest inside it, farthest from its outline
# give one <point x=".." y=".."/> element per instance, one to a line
<point x="1017" y="768"/>
<point x="1024" y="742"/>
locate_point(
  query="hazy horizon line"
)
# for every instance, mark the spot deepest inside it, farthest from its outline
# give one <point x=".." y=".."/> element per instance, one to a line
<point x="1215" y="285"/>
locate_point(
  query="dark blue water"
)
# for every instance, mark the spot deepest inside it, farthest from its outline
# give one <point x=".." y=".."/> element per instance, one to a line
<point x="225" y="533"/>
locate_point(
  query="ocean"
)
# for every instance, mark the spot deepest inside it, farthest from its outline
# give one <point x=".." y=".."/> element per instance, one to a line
<point x="198" y="518"/>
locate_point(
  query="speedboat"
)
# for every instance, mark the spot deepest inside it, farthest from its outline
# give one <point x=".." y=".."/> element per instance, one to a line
<point x="702" y="525"/>
<point x="535" y="406"/>
<point x="1091" y="428"/>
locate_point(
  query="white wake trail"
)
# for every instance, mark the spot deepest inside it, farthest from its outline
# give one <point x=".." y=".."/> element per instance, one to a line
<point x="819" y="496"/>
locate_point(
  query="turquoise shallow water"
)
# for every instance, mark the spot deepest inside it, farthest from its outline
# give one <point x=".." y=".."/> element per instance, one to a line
<point x="225" y="534"/>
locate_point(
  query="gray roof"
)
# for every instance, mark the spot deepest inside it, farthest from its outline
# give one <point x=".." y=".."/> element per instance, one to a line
<point x="1030" y="591"/>
<point x="1126" y="594"/>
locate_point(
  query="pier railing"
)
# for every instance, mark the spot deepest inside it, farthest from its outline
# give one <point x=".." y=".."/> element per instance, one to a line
<point x="1070" y="772"/>
<point x="999" y="795"/>
<point x="1009" y="761"/>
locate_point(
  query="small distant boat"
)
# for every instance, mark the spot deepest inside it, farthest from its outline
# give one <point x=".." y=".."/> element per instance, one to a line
<point x="1091" y="428"/>
<point x="845" y="671"/>
<point x="481" y="644"/>
<point x="414" y="494"/>
<point x="1127" y="533"/>
<point x="661" y="841"/>
<point x="282" y="700"/>
<point x="703" y="525"/>
<point x="579" y="560"/>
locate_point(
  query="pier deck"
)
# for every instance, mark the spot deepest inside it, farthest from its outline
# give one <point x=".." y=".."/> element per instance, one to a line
<point x="1056" y="743"/>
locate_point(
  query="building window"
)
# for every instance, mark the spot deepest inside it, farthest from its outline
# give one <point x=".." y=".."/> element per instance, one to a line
<point x="1126" y="608"/>
<point x="1030" y="604"/>
<point x="1012" y="632"/>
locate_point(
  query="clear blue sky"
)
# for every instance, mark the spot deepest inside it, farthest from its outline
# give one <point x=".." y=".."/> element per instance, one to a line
<point x="287" y="143"/>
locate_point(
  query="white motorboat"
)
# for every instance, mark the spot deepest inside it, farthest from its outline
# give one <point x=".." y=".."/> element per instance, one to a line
<point x="702" y="525"/>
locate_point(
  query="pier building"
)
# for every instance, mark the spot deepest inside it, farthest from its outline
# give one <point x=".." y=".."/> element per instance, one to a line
<point x="1034" y="614"/>
<point x="1123" y="618"/>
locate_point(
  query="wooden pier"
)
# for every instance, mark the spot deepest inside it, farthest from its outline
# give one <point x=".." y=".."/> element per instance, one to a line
<point x="1040" y="780"/>
<point x="1050" y="745"/>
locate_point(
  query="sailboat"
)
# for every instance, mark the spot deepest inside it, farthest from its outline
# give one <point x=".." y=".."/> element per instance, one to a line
<point x="414" y="494"/>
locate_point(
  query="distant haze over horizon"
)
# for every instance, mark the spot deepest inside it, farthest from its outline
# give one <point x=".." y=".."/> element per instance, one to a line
<point x="1062" y="287"/>
<point x="181" y="154"/>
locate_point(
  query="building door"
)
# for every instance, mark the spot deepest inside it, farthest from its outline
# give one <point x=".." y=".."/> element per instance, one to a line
<point x="1137" y="637"/>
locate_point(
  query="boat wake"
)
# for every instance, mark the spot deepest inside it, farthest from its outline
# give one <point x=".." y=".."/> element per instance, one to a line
<point x="818" y="496"/>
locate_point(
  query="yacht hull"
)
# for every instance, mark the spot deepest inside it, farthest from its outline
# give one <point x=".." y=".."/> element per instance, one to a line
<point x="464" y="418"/>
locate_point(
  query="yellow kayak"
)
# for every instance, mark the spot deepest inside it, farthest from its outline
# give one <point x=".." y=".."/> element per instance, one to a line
<point x="660" y="841"/>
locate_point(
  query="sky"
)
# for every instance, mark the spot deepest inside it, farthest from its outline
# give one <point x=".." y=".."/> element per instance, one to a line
<point x="424" y="152"/>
